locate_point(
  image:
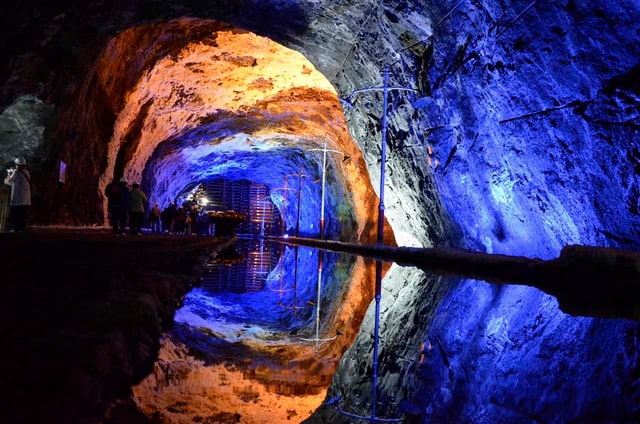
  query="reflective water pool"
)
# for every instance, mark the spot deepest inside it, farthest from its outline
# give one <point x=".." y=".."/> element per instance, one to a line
<point x="261" y="338"/>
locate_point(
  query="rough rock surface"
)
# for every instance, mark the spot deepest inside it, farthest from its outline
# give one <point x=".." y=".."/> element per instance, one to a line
<point x="521" y="139"/>
<point x="529" y="120"/>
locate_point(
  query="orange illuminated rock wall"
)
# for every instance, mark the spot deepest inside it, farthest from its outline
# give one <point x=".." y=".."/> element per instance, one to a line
<point x="161" y="81"/>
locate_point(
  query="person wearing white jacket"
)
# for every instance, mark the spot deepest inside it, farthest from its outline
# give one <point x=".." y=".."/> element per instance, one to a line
<point x="20" y="181"/>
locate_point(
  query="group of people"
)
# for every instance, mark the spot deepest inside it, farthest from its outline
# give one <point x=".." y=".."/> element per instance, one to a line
<point x="125" y="202"/>
<point x="188" y="220"/>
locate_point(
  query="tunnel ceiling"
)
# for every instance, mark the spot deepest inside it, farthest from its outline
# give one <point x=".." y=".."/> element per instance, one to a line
<point x="523" y="133"/>
<point x="222" y="102"/>
<point x="176" y="103"/>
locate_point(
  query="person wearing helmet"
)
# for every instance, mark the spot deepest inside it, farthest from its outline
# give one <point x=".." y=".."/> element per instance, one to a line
<point x="20" y="181"/>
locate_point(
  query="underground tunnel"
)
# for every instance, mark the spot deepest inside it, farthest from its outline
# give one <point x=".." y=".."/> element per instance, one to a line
<point x="512" y="130"/>
<point x="241" y="107"/>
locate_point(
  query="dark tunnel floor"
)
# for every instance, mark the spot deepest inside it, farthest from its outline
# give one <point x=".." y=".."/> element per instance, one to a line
<point x="82" y="315"/>
<point x="87" y="314"/>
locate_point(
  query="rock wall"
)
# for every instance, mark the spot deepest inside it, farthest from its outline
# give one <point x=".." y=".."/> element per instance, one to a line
<point x="522" y="137"/>
<point x="529" y="120"/>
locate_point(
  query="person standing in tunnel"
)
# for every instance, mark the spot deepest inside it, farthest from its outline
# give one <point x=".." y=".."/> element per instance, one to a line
<point x="192" y="228"/>
<point x="169" y="217"/>
<point x="137" y="201"/>
<point x="154" y="218"/>
<point x="20" y="181"/>
<point x="117" y="194"/>
<point x="180" y="220"/>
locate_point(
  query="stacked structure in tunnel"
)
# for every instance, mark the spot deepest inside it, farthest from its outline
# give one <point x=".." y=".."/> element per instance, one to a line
<point x="519" y="137"/>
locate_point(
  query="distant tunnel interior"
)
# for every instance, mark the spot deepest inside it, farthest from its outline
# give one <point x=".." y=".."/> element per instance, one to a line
<point x="237" y="106"/>
<point x="232" y="109"/>
<point x="519" y="137"/>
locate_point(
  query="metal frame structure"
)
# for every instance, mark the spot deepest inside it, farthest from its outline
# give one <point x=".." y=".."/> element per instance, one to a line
<point x="317" y="338"/>
<point x="283" y="228"/>
<point x="378" y="295"/>
<point x="324" y="151"/>
<point x="295" y="306"/>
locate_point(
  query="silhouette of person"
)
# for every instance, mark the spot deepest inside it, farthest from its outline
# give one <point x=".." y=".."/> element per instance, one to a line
<point x="19" y="179"/>
<point x="154" y="218"/>
<point x="181" y="217"/>
<point x="169" y="217"/>
<point x="137" y="200"/>
<point x="117" y="194"/>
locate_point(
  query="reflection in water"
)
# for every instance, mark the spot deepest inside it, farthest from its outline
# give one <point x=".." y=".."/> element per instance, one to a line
<point x="294" y="305"/>
<point x="235" y="348"/>
<point x="242" y="267"/>
<point x="317" y="339"/>
<point x="280" y="288"/>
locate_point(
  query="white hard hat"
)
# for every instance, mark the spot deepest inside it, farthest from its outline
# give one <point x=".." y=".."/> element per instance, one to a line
<point x="20" y="161"/>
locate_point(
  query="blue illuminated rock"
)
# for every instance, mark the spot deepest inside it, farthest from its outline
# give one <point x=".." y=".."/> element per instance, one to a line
<point x="520" y="139"/>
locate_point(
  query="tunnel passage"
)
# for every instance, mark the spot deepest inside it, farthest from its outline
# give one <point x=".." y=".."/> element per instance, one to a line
<point x="250" y="203"/>
<point x="210" y="101"/>
<point x="223" y="102"/>
<point x="537" y="175"/>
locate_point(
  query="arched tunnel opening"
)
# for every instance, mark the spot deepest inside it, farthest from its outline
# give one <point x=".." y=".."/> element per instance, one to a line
<point x="234" y="105"/>
<point x="516" y="141"/>
<point x="237" y="108"/>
